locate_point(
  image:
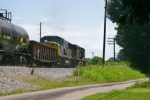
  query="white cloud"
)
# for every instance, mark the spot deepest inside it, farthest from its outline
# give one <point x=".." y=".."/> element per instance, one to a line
<point x="32" y="31"/>
<point x="96" y="46"/>
<point x="17" y="17"/>
<point x="72" y="26"/>
<point x="46" y="19"/>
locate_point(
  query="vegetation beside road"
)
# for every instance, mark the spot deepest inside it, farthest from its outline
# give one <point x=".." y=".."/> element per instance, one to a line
<point x="139" y="91"/>
<point x="112" y="72"/>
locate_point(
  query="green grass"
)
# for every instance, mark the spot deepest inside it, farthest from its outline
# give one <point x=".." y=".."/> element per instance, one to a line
<point x="46" y="83"/>
<point x="139" y="91"/>
<point x="132" y="94"/>
<point x="112" y="72"/>
<point x="12" y="92"/>
<point x="145" y="84"/>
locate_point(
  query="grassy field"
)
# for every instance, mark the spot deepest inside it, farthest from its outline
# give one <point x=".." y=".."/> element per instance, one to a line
<point x="140" y="91"/>
<point x="112" y="72"/>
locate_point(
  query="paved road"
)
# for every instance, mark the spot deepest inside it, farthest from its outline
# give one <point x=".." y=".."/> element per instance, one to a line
<point x="71" y="93"/>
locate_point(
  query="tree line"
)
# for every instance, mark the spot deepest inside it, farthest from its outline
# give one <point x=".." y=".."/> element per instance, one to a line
<point x="98" y="60"/>
<point x="133" y="31"/>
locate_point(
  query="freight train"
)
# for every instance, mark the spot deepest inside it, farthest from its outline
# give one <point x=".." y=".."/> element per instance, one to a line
<point x="52" y="51"/>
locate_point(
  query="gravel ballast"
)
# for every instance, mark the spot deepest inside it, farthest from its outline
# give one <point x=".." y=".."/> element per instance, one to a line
<point x="8" y="84"/>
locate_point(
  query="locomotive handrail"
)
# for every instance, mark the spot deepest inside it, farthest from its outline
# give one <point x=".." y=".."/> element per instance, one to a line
<point x="8" y="15"/>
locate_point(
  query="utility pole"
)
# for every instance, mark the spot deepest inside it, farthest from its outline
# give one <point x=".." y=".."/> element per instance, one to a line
<point x="113" y="42"/>
<point x="117" y="56"/>
<point x="92" y="54"/>
<point x="92" y="57"/>
<point x="104" y="33"/>
<point x="40" y="31"/>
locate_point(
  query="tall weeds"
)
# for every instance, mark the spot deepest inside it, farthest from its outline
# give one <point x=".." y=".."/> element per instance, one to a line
<point x="112" y="72"/>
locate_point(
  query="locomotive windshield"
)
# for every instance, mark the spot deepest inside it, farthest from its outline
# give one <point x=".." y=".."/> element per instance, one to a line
<point x="52" y="39"/>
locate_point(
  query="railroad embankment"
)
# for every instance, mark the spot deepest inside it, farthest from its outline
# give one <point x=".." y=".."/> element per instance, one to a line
<point x="9" y="76"/>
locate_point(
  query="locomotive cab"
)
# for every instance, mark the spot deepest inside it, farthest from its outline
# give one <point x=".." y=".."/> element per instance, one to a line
<point x="63" y="45"/>
<point x="55" y="45"/>
<point x="82" y="51"/>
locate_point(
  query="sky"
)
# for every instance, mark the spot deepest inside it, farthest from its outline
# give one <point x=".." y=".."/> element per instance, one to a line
<point x="80" y="22"/>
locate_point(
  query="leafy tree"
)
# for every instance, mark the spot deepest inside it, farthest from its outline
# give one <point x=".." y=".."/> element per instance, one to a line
<point x="134" y="39"/>
<point x="121" y="56"/>
<point x="139" y="12"/>
<point x="94" y="61"/>
<point x="97" y="60"/>
<point x="88" y="61"/>
<point x="110" y="59"/>
<point x="115" y="9"/>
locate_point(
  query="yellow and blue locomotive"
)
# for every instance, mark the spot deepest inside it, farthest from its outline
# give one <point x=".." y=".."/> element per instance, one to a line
<point x="69" y="55"/>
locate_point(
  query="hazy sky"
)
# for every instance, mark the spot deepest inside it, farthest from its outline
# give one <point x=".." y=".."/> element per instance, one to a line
<point x="80" y="22"/>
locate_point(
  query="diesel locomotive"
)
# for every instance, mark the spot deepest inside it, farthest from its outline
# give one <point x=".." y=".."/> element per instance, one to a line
<point x="52" y="51"/>
<point x="68" y="54"/>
